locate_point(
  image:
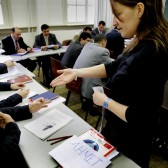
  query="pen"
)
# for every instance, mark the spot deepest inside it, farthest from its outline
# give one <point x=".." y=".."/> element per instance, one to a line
<point x="58" y="139"/>
<point x="52" y="139"/>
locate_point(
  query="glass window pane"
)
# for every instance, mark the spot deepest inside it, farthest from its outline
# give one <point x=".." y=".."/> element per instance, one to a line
<point x="1" y="16"/>
<point x="91" y="13"/>
<point x="71" y="2"/>
<point x="91" y="2"/>
<point x="80" y="2"/>
<point x="71" y="13"/>
<point x="81" y="14"/>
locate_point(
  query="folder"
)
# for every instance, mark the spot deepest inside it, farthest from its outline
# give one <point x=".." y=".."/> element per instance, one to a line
<point x="21" y="78"/>
<point x="46" y="95"/>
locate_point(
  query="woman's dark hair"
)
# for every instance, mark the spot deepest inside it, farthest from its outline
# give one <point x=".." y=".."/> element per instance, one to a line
<point x="153" y="25"/>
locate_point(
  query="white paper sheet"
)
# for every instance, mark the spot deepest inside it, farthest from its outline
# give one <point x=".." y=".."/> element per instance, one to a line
<point x="75" y="153"/>
<point x="48" y="123"/>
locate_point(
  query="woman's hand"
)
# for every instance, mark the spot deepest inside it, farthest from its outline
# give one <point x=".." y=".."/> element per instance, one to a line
<point x="67" y="76"/>
<point x="5" y="119"/>
<point x="38" y="104"/>
<point x="23" y="92"/>
<point x="99" y="98"/>
<point x="16" y="86"/>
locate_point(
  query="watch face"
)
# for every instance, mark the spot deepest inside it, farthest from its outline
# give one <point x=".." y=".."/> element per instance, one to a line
<point x="105" y="104"/>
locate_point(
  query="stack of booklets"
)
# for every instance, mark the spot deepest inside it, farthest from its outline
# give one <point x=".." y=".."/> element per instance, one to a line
<point x="21" y="78"/>
<point x="49" y="123"/>
<point x="89" y="150"/>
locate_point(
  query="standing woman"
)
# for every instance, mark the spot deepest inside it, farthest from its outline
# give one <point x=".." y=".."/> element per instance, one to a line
<point x="137" y="78"/>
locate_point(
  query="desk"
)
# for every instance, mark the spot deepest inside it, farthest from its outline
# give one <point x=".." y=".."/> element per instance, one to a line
<point x="13" y="73"/>
<point x="36" y="150"/>
<point x="39" y="54"/>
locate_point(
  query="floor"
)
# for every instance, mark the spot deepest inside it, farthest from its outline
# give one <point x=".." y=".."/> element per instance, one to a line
<point x="74" y="104"/>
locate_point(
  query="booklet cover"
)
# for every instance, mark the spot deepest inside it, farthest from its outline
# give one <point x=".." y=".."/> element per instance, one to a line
<point x="20" y="54"/>
<point x="21" y="78"/>
<point x="73" y="152"/>
<point x="46" y="95"/>
<point x="48" y="124"/>
<point x="97" y="142"/>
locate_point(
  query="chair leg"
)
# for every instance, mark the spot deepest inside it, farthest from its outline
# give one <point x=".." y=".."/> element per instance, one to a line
<point x="87" y="112"/>
<point x="67" y="98"/>
<point x="98" y="122"/>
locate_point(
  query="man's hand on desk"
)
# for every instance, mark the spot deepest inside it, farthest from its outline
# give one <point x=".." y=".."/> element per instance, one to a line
<point x="56" y="47"/>
<point x="5" y="119"/>
<point x="29" y="49"/>
<point x="44" y="48"/>
<point x="23" y="93"/>
<point x="9" y="64"/>
<point x="16" y="86"/>
<point x="21" y="50"/>
<point x="38" y="104"/>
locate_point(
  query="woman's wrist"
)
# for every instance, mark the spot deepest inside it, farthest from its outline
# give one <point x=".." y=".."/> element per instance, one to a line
<point x="105" y="103"/>
<point x="76" y="74"/>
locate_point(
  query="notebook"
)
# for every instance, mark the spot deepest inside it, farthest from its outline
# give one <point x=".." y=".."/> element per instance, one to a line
<point x="21" y="78"/>
<point x="48" y="123"/>
<point x="46" y="95"/>
<point x="20" y="54"/>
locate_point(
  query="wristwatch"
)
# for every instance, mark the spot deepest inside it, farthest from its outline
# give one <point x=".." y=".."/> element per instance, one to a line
<point x="105" y="103"/>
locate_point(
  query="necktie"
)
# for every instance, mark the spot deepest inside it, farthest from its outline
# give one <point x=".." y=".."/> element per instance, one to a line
<point x="17" y="45"/>
<point x="46" y="40"/>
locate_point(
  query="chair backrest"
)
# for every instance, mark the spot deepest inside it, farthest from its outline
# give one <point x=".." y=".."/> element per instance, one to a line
<point x="66" y="42"/>
<point x="55" y="65"/>
<point x="75" y="86"/>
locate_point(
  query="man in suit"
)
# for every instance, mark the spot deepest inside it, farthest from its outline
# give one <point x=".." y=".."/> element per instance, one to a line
<point x="91" y="55"/>
<point x="43" y="41"/>
<point x="100" y="29"/>
<point x="115" y="43"/>
<point x="85" y="29"/>
<point x="75" y="49"/>
<point x="14" y="43"/>
<point x="11" y="155"/>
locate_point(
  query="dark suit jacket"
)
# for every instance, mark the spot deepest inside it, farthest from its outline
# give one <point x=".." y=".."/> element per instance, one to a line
<point x="40" y="41"/>
<point x="4" y="86"/>
<point x="115" y="42"/>
<point x="71" y="54"/>
<point x="3" y="68"/>
<point x="9" y="46"/>
<point x="96" y="31"/>
<point x="11" y="155"/>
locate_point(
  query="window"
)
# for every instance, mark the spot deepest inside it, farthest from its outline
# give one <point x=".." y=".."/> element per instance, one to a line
<point x="80" y="11"/>
<point x="4" y="13"/>
<point x="1" y="15"/>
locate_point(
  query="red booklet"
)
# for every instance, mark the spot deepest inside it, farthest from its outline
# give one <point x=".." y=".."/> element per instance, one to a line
<point x="97" y="142"/>
<point x="21" y="78"/>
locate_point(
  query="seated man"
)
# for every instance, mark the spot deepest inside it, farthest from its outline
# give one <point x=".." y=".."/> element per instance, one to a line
<point x="100" y="29"/>
<point x="13" y="44"/>
<point x="85" y="29"/>
<point x="115" y="43"/>
<point x="75" y="49"/>
<point x="42" y="41"/>
<point x="91" y="55"/>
